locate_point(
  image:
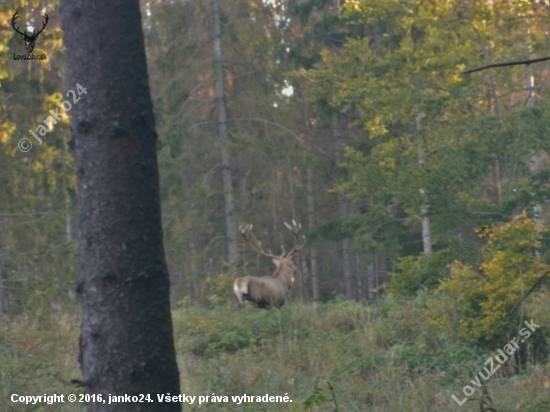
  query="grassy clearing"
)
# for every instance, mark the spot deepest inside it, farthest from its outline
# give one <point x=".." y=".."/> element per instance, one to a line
<point x="377" y="359"/>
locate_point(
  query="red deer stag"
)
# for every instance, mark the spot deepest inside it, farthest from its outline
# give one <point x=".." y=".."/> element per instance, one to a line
<point x="269" y="290"/>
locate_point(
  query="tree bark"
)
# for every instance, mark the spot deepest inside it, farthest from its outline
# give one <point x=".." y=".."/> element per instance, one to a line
<point x="68" y="224"/>
<point x="426" y="234"/>
<point x="68" y="217"/>
<point x="536" y="158"/>
<point x="126" y="343"/>
<point x="346" y="246"/>
<point x="315" y="284"/>
<point x="360" y="273"/>
<point x="231" y="227"/>
<point x="311" y="222"/>
<point x="3" y="301"/>
<point x="192" y="284"/>
<point x="338" y="130"/>
<point x="297" y="258"/>
<point x="372" y="280"/>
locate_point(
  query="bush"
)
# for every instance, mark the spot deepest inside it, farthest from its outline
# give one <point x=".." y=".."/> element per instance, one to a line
<point x="414" y="273"/>
<point x="483" y="299"/>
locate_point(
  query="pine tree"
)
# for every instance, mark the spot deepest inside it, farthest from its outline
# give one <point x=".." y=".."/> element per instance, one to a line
<point x="126" y="342"/>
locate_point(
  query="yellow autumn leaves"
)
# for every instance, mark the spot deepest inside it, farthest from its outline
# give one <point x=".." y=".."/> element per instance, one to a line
<point x="511" y="265"/>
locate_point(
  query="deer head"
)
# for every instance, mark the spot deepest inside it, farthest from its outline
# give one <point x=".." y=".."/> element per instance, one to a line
<point x="29" y="39"/>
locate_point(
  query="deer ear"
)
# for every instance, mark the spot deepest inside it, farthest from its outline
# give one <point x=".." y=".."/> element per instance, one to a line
<point x="276" y="261"/>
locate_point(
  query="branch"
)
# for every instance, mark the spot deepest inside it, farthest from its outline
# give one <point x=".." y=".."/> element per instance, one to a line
<point x="542" y="59"/>
<point x="436" y="149"/>
<point x="333" y="397"/>
<point x="538" y="282"/>
<point x="438" y="87"/>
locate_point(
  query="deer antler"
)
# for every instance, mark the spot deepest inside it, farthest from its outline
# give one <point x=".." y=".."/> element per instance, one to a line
<point x="24" y="33"/>
<point x="15" y="16"/>
<point x="29" y="39"/>
<point x="295" y="229"/>
<point x="43" y="26"/>
<point x="245" y="232"/>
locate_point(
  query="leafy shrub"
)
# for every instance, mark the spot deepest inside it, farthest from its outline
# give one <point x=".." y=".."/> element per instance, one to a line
<point x="414" y="273"/>
<point x="223" y="289"/>
<point x="219" y="329"/>
<point x="484" y="298"/>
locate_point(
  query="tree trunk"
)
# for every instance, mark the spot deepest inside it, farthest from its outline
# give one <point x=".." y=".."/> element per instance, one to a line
<point x="68" y="202"/>
<point x="426" y="234"/>
<point x="535" y="160"/>
<point x="311" y="221"/>
<point x="68" y="224"/>
<point x="192" y="284"/>
<point x="381" y="271"/>
<point x="360" y="273"/>
<point x="126" y="343"/>
<point x="338" y="130"/>
<point x="3" y="301"/>
<point x="346" y="246"/>
<point x="300" y="283"/>
<point x="231" y="227"/>
<point x="372" y="279"/>
<point x="529" y="79"/>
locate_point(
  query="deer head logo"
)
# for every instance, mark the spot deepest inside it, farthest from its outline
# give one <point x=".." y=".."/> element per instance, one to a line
<point x="29" y="39"/>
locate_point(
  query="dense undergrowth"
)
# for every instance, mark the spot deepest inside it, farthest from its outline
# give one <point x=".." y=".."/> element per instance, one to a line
<point x="384" y="358"/>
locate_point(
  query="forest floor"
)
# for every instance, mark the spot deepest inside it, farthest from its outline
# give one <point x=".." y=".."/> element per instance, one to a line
<point x="339" y="356"/>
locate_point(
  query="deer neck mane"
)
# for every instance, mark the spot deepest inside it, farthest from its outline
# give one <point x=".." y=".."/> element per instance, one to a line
<point x="284" y="270"/>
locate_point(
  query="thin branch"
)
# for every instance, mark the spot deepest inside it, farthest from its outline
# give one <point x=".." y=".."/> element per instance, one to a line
<point x="333" y="397"/>
<point x="436" y="149"/>
<point x="438" y="87"/>
<point x="257" y="119"/>
<point x="542" y="59"/>
<point x="386" y="223"/>
<point x="538" y="282"/>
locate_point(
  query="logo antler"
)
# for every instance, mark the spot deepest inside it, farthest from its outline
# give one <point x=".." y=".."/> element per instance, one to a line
<point x="29" y="40"/>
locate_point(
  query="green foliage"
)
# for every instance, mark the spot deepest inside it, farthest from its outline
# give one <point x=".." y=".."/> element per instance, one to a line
<point x="209" y="335"/>
<point x="420" y="272"/>
<point x="222" y="286"/>
<point x="318" y="397"/>
<point x="39" y="356"/>
<point x="37" y="255"/>
<point x="366" y="353"/>
<point x="434" y="139"/>
<point x="421" y="140"/>
<point x="335" y="230"/>
<point x="510" y="267"/>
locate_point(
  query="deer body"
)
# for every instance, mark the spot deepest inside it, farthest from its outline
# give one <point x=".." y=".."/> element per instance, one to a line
<point x="268" y="290"/>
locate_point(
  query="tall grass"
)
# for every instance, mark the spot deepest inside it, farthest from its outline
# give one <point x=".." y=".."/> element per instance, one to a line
<point x="385" y="358"/>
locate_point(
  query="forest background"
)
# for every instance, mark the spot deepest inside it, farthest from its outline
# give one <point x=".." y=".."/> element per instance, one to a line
<point x="423" y="192"/>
